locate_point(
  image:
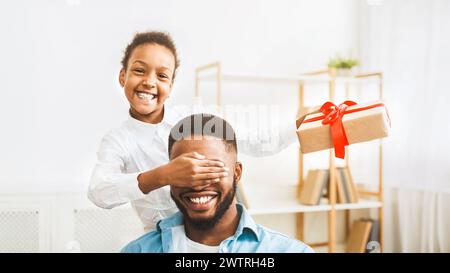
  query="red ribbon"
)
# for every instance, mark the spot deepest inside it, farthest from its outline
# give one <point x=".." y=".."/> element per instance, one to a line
<point x="332" y="115"/>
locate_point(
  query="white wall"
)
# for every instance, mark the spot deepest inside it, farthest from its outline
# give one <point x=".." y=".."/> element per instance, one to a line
<point x="60" y="61"/>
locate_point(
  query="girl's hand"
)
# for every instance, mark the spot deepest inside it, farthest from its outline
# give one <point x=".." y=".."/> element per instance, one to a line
<point x="192" y="170"/>
<point x="187" y="170"/>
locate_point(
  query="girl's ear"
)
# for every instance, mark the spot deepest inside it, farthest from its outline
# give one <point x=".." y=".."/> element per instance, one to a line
<point x="122" y="77"/>
<point x="237" y="171"/>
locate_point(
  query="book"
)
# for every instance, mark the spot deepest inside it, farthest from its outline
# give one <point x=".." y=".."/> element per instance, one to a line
<point x="374" y="237"/>
<point x="359" y="236"/>
<point x="353" y="192"/>
<point x="325" y="183"/>
<point x="308" y="188"/>
<point x="345" y="188"/>
<point x="313" y="187"/>
<point x="341" y="187"/>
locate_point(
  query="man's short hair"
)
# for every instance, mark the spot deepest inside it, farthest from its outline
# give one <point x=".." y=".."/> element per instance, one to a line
<point x="203" y="125"/>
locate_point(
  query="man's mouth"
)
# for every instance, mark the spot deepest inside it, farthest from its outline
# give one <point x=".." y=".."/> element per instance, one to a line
<point x="200" y="201"/>
<point x="146" y="95"/>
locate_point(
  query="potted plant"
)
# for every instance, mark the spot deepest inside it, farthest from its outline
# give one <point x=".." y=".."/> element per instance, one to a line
<point x="343" y="66"/>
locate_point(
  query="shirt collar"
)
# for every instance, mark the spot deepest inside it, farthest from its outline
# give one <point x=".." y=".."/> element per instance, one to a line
<point x="171" y="221"/>
<point x="246" y="222"/>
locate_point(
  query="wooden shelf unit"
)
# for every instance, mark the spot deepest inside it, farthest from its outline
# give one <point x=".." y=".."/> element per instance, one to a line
<point x="286" y="202"/>
<point x="332" y="81"/>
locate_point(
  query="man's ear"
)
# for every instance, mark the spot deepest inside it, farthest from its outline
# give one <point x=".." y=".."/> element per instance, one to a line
<point x="122" y="77"/>
<point x="237" y="171"/>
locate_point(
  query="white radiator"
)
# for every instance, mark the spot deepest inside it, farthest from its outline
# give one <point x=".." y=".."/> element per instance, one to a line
<point x="100" y="230"/>
<point x="19" y="231"/>
<point x="64" y="223"/>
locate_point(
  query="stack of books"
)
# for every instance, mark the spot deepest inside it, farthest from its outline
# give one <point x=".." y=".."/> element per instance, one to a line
<point x="316" y="184"/>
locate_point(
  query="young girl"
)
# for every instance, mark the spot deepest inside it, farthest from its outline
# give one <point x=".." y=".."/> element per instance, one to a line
<point x="133" y="164"/>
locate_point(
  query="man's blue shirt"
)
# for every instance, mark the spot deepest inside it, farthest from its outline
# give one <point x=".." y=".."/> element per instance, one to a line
<point x="249" y="238"/>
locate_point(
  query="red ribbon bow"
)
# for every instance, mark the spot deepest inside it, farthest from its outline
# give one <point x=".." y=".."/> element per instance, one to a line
<point x="333" y="116"/>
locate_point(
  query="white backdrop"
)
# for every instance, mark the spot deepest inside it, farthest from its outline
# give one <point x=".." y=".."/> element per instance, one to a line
<point x="410" y="41"/>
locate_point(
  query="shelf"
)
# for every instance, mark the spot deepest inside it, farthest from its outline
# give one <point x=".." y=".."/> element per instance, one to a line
<point x="282" y="199"/>
<point x="288" y="78"/>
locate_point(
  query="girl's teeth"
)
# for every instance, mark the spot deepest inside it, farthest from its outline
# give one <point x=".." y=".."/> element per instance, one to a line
<point x="145" y="96"/>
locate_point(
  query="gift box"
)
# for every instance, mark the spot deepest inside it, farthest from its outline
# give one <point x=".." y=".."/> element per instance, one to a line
<point x="341" y="125"/>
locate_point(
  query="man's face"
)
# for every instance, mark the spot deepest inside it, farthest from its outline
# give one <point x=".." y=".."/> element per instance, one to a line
<point x="204" y="206"/>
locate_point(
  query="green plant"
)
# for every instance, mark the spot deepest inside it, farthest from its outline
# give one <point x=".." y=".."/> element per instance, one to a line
<point x="340" y="62"/>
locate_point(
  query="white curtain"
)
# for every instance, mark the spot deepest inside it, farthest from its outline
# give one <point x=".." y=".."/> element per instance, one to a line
<point x="409" y="40"/>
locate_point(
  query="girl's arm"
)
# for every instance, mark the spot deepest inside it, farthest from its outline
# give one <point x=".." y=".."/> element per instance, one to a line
<point x="110" y="186"/>
<point x="262" y="142"/>
<point x="267" y="141"/>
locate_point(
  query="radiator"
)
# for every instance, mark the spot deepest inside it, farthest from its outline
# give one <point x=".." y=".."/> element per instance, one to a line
<point x="100" y="230"/>
<point x="19" y="231"/>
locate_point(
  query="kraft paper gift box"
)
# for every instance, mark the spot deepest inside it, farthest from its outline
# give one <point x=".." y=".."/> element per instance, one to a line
<point x="341" y="125"/>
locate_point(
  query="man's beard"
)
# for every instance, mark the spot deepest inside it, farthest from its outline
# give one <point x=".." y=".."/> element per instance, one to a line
<point x="208" y="223"/>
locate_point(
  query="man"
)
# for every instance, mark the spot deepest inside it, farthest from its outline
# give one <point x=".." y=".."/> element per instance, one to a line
<point x="210" y="220"/>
